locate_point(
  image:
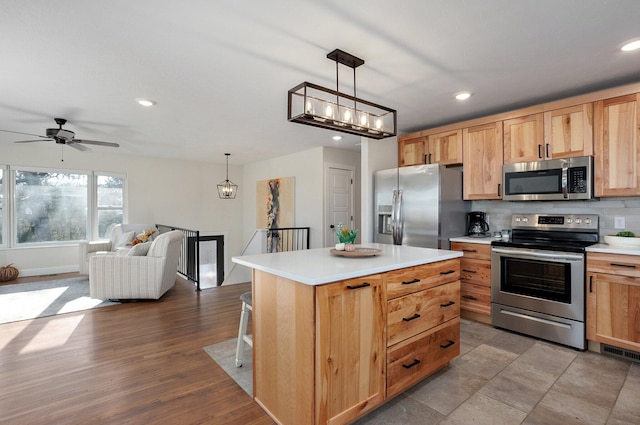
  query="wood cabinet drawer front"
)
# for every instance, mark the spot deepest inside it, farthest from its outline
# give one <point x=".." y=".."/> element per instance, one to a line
<point x="414" y="279"/>
<point x="473" y="250"/>
<point x="475" y="271"/>
<point x="475" y="298"/>
<point x="417" y="312"/>
<point x="624" y="265"/>
<point x="418" y="357"/>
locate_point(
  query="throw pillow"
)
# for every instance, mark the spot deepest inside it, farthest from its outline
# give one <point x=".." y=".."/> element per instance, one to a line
<point x="125" y="239"/>
<point x="139" y="250"/>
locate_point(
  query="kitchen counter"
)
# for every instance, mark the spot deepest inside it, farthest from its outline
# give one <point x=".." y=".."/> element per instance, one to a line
<point x="610" y="249"/>
<point x="467" y="239"/>
<point x="318" y="266"/>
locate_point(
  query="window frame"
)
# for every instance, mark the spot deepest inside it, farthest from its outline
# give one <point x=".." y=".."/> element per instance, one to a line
<point x="93" y="219"/>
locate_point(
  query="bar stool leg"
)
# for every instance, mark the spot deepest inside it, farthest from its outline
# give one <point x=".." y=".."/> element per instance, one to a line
<point x="242" y="334"/>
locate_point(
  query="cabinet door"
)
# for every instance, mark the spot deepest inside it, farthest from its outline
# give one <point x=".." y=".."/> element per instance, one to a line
<point x="613" y="310"/>
<point x="568" y="132"/>
<point x="524" y="139"/>
<point x="617" y="146"/>
<point x="445" y="148"/>
<point x="412" y="151"/>
<point x="482" y="166"/>
<point x="350" y="341"/>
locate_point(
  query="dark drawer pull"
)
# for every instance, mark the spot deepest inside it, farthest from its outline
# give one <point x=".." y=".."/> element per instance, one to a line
<point x="408" y="319"/>
<point x="469" y="271"/>
<point x="364" y="285"/>
<point x="412" y="364"/>
<point x="411" y="281"/>
<point x="448" y="272"/>
<point x="448" y="344"/>
<point x="447" y="304"/>
<point x="469" y="250"/>
<point x="628" y="266"/>
<point x="469" y="297"/>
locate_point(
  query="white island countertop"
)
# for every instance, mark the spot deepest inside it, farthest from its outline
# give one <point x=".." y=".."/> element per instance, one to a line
<point x="318" y="266"/>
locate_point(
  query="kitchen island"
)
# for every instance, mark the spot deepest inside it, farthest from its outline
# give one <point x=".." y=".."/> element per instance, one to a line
<point x="335" y="337"/>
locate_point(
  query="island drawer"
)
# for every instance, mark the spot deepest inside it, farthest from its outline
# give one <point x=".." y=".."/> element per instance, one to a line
<point x="418" y="357"/>
<point x="475" y="298"/>
<point x="417" y="312"/>
<point x="475" y="271"/>
<point x="473" y="250"/>
<point x="623" y="265"/>
<point x="414" y="279"/>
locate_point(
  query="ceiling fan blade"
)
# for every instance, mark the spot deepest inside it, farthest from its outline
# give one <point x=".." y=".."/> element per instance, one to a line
<point x="95" y="142"/>
<point x="28" y="134"/>
<point x="31" y="141"/>
<point x="74" y="144"/>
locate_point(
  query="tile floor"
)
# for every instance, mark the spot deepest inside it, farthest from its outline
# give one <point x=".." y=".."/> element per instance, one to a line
<point x="504" y="378"/>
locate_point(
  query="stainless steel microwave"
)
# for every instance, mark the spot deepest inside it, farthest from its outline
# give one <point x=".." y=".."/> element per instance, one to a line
<point x="549" y="180"/>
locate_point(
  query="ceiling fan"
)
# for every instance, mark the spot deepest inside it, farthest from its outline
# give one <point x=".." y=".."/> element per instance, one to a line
<point x="63" y="137"/>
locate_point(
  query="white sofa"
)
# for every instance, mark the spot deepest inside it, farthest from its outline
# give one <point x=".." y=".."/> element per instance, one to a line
<point x="136" y="275"/>
<point x="119" y="237"/>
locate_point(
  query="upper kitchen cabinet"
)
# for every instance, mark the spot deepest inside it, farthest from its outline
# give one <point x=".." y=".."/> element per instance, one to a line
<point x="411" y="150"/>
<point x="445" y="148"/>
<point x="524" y="139"/>
<point x="568" y="132"/>
<point x="482" y="168"/>
<point x="442" y="148"/>
<point x="617" y="146"/>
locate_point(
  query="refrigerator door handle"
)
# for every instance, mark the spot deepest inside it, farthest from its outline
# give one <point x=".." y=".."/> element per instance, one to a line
<point x="398" y="234"/>
<point x="394" y="200"/>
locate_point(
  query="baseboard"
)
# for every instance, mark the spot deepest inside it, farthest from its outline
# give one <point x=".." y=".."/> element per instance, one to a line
<point x="45" y="271"/>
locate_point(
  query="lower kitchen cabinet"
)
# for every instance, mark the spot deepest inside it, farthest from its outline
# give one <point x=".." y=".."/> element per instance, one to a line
<point x="475" y="280"/>
<point x="613" y="300"/>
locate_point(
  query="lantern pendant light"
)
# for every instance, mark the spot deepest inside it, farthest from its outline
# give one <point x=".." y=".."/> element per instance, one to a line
<point x="227" y="189"/>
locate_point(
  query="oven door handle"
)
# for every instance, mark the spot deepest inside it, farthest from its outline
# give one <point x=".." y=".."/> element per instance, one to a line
<point x="565" y="180"/>
<point x="532" y="254"/>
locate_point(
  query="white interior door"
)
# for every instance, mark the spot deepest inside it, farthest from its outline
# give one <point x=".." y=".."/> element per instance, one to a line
<point x="339" y="200"/>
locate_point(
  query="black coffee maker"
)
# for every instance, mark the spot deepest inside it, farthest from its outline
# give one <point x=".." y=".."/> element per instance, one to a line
<point x="477" y="224"/>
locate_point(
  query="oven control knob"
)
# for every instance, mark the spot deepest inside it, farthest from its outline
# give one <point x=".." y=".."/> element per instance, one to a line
<point x="525" y="219"/>
<point x="569" y="220"/>
<point x="518" y="219"/>
<point x="587" y="221"/>
<point x="578" y="220"/>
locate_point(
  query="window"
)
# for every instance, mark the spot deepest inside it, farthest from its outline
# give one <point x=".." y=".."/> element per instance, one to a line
<point x="50" y="206"/>
<point x="110" y="202"/>
<point x="43" y="206"/>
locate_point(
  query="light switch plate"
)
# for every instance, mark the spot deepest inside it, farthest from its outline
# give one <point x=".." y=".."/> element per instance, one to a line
<point x="619" y="223"/>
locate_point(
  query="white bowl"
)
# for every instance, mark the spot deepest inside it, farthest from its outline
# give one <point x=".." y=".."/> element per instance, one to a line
<point x="622" y="241"/>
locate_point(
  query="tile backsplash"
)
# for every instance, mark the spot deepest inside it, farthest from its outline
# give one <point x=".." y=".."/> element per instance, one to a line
<point x="499" y="212"/>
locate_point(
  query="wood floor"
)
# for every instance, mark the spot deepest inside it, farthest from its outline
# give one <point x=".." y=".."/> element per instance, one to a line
<point x="134" y="363"/>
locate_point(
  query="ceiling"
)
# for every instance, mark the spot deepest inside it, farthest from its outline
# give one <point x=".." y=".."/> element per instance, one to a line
<point x="220" y="71"/>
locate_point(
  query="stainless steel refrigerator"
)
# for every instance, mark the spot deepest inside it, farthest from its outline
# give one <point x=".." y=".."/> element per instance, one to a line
<point x="419" y="205"/>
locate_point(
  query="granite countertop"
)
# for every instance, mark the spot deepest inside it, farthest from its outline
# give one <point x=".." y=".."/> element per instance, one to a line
<point x="318" y="266"/>
<point x="610" y="249"/>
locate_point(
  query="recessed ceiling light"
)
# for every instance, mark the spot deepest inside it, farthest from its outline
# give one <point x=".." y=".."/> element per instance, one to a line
<point x="336" y="138"/>
<point x="145" y="102"/>
<point x="463" y="95"/>
<point x="631" y="46"/>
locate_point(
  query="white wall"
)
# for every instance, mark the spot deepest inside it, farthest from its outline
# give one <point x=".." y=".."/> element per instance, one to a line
<point x="163" y="191"/>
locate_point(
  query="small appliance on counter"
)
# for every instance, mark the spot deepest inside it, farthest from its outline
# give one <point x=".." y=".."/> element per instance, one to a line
<point x="477" y="226"/>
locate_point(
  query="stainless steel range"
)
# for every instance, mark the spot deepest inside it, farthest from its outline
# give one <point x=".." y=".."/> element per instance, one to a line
<point x="538" y="276"/>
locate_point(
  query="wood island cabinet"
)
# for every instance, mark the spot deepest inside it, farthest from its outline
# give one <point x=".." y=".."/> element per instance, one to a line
<point x="328" y="354"/>
<point x="613" y="299"/>
<point x="475" y="280"/>
<point x="482" y="168"/>
<point x="617" y="146"/>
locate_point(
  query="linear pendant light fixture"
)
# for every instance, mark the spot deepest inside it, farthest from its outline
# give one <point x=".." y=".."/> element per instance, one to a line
<point x="318" y="106"/>
<point x="226" y="188"/>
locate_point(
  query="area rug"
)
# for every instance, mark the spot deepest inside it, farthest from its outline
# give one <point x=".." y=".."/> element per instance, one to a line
<point x="22" y="301"/>
<point x="224" y="353"/>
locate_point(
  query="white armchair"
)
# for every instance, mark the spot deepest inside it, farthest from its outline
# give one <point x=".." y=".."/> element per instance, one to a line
<point x="137" y="276"/>
<point x="117" y="238"/>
